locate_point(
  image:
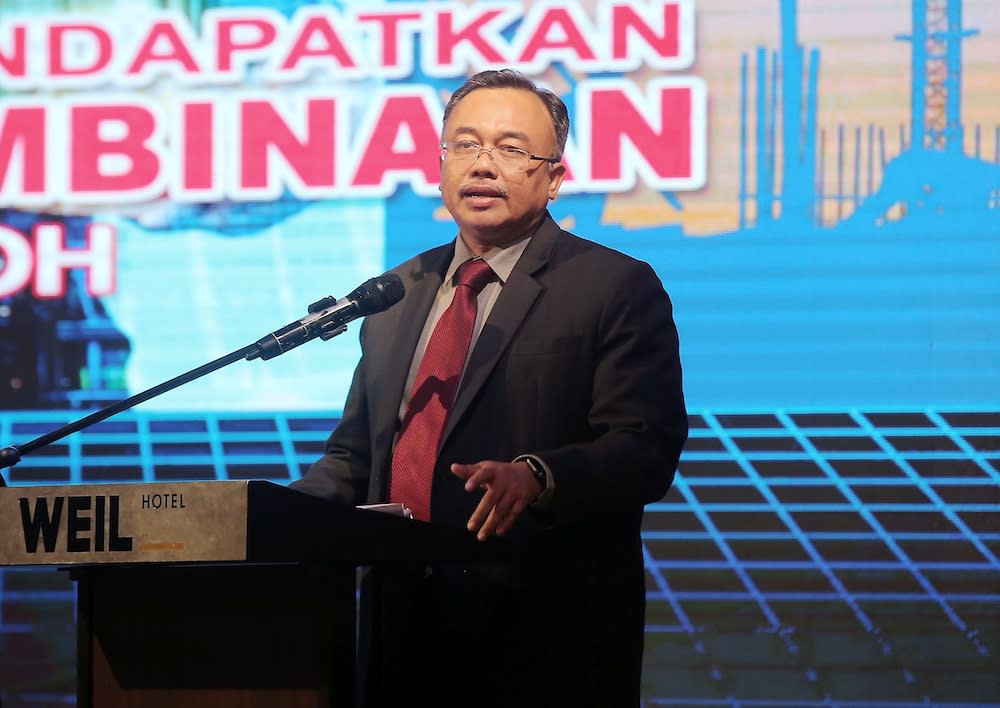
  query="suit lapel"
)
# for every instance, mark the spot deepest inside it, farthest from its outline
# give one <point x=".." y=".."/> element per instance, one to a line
<point x="387" y="369"/>
<point x="518" y="294"/>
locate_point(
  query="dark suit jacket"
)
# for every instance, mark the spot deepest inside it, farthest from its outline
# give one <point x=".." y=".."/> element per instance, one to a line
<point x="578" y="364"/>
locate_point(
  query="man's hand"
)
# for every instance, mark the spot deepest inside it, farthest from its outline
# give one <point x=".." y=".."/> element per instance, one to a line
<point x="510" y="488"/>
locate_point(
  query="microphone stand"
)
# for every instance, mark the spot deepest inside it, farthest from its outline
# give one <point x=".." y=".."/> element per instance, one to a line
<point x="10" y="456"/>
<point x="326" y="319"/>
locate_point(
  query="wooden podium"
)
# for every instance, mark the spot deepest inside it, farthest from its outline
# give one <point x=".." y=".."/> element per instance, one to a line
<point x="213" y="593"/>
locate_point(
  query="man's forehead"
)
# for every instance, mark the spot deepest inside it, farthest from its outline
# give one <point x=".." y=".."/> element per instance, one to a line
<point x="529" y="116"/>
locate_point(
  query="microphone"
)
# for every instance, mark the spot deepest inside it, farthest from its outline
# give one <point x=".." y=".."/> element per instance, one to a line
<point x="329" y="317"/>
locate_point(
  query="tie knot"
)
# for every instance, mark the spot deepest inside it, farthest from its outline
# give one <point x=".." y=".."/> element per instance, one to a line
<point x="475" y="274"/>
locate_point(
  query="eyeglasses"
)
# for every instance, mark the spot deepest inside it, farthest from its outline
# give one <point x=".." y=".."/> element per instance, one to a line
<point x="506" y="157"/>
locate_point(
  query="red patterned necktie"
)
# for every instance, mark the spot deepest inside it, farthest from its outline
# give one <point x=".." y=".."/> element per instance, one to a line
<point x="434" y="392"/>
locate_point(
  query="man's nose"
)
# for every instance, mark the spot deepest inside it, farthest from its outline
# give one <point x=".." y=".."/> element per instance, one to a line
<point x="484" y="163"/>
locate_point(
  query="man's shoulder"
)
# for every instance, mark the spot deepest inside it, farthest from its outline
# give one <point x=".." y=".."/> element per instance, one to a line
<point x="571" y="248"/>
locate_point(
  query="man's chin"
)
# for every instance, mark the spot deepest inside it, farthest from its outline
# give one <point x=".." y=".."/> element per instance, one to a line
<point x="484" y="222"/>
<point x="489" y="235"/>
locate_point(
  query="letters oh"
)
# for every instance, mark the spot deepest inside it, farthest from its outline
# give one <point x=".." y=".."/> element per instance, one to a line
<point x="49" y="258"/>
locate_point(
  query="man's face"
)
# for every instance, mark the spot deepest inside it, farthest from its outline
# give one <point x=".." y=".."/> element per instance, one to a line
<point x="493" y="204"/>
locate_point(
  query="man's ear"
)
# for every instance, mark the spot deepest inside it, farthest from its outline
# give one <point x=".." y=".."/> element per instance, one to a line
<point x="557" y="173"/>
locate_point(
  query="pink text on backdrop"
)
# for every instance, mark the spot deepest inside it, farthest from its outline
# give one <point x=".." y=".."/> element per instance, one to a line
<point x="251" y="145"/>
<point x="449" y="39"/>
<point x="43" y="259"/>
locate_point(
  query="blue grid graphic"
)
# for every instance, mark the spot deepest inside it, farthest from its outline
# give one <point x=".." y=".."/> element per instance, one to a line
<point x="840" y="558"/>
<point x="828" y="559"/>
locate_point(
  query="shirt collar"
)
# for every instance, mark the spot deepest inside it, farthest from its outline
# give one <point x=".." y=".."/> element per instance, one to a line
<point x="501" y="260"/>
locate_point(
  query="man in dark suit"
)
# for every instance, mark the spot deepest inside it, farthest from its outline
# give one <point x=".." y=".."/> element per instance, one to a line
<point x="568" y="419"/>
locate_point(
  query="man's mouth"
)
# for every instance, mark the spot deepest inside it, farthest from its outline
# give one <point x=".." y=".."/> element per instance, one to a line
<point x="483" y="192"/>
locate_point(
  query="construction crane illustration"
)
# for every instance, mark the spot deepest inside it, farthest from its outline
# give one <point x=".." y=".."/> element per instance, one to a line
<point x="935" y="177"/>
<point x="936" y="50"/>
<point x="931" y="174"/>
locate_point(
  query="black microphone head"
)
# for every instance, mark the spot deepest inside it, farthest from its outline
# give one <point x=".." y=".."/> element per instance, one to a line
<point x="377" y="294"/>
<point x="9" y="457"/>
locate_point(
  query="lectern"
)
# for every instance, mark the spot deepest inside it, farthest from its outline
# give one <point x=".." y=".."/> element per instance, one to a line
<point x="227" y="593"/>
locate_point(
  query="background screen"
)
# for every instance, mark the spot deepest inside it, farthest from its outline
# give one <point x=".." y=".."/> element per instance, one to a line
<point x="816" y="182"/>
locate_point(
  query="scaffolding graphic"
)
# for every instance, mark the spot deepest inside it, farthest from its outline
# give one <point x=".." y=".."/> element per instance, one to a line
<point x="789" y="171"/>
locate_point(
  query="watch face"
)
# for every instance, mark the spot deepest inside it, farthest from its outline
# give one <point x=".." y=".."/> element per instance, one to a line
<point x="538" y="471"/>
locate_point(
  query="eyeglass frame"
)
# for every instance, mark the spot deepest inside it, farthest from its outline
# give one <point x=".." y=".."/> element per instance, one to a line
<point x="489" y="151"/>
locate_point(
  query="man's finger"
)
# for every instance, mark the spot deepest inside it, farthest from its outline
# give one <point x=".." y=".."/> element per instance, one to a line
<point x="482" y="511"/>
<point x="491" y="522"/>
<point x="511" y="516"/>
<point x="464" y="471"/>
<point x="481" y="477"/>
<point x="503" y="514"/>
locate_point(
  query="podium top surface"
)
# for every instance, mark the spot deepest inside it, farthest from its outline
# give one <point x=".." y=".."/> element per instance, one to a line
<point x="211" y="522"/>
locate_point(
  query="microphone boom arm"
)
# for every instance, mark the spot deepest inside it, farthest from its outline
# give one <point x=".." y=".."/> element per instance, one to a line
<point x="326" y="319"/>
<point x="10" y="456"/>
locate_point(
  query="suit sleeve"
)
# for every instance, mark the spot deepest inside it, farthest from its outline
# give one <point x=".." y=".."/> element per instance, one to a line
<point x="342" y="473"/>
<point x="637" y="416"/>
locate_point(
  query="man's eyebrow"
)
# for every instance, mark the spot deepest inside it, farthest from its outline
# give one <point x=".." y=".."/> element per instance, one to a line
<point x="464" y="129"/>
<point x="515" y="134"/>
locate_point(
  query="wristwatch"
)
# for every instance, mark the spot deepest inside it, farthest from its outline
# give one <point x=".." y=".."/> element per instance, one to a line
<point x="548" y="491"/>
<point x="539" y="472"/>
